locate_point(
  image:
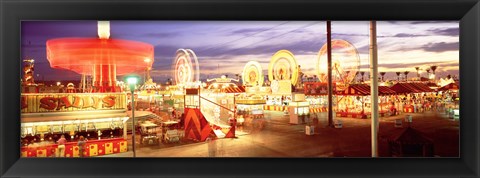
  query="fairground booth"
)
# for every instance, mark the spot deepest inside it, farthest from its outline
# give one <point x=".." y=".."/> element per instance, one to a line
<point x="355" y="101"/>
<point x="98" y="117"/>
<point x="413" y="97"/>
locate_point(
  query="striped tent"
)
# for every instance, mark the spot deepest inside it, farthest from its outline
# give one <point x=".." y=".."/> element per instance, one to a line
<point x="364" y="90"/>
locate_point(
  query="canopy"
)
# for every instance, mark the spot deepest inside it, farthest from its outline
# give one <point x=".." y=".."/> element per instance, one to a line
<point x="234" y="89"/>
<point x="404" y="88"/>
<point x="364" y="89"/>
<point x="451" y="86"/>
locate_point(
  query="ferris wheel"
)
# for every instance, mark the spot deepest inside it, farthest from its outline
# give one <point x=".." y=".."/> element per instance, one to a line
<point x="185" y="67"/>
<point x="345" y="62"/>
<point x="252" y="74"/>
<point x="283" y="66"/>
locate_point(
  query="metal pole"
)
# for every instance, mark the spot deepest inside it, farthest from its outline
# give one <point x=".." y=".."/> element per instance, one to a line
<point x="374" y="86"/>
<point x="330" y="83"/>
<point x="133" y="123"/>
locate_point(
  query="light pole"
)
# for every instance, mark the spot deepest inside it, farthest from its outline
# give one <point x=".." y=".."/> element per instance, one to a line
<point x="132" y="82"/>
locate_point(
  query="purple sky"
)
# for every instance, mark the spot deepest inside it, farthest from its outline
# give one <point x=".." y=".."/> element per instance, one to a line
<point x="402" y="45"/>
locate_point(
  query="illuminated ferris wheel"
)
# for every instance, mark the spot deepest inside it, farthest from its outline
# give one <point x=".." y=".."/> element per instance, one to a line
<point x="283" y="66"/>
<point x="252" y="74"/>
<point x="345" y="62"/>
<point x="186" y="68"/>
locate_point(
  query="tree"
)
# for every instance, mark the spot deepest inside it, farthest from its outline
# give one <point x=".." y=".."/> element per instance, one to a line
<point x="406" y="74"/>
<point x="382" y="74"/>
<point x="418" y="74"/>
<point x="433" y="71"/>
<point x="398" y="76"/>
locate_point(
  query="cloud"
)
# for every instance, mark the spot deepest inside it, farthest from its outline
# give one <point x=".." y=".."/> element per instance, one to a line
<point x="248" y="31"/>
<point x="406" y="35"/>
<point x="432" y="22"/>
<point x="446" y="31"/>
<point x="441" y="47"/>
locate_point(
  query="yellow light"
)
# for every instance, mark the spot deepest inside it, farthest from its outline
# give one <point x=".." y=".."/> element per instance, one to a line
<point x="147" y="60"/>
<point x="285" y="54"/>
<point x="58" y="83"/>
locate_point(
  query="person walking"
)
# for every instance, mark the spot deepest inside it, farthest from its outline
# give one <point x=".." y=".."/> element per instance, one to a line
<point x="61" y="146"/>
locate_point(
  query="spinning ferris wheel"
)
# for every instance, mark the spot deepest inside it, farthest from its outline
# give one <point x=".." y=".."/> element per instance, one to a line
<point x="252" y="74"/>
<point x="345" y="62"/>
<point x="186" y="69"/>
<point x="283" y="66"/>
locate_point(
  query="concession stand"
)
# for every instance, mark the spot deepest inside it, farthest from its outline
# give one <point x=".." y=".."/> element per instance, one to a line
<point x="299" y="109"/>
<point x="316" y="95"/>
<point x="354" y="101"/>
<point x="98" y="117"/>
<point x="413" y="97"/>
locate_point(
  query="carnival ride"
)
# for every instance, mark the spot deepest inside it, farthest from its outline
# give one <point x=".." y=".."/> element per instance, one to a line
<point x="345" y="63"/>
<point x="252" y="74"/>
<point x="283" y="66"/>
<point x="102" y="58"/>
<point x="186" y="69"/>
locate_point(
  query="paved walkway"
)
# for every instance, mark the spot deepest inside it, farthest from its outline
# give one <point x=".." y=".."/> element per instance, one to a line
<point x="281" y="139"/>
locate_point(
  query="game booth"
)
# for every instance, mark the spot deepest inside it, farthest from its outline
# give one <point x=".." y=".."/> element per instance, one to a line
<point x="355" y="101"/>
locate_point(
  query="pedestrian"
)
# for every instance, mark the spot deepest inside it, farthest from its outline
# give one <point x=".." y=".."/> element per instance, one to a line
<point x="81" y="146"/>
<point x="61" y="146"/>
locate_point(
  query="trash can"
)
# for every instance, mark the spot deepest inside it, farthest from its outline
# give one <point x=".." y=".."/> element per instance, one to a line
<point x="408" y="118"/>
<point x="338" y="124"/>
<point x="309" y="130"/>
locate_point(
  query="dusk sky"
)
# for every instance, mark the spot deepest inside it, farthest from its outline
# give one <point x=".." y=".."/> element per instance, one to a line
<point x="402" y="45"/>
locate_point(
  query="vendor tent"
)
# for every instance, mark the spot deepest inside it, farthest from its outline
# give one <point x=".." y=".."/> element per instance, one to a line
<point x="364" y="89"/>
<point x="404" y="88"/>
<point x="421" y="86"/>
<point x="451" y="86"/>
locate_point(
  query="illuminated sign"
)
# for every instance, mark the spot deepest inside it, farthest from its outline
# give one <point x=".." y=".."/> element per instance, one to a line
<point x="63" y="102"/>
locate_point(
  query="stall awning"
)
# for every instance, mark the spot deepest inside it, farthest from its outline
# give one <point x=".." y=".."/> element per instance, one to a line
<point x="234" y="89"/>
<point x="451" y="86"/>
<point x="421" y="86"/>
<point x="404" y="88"/>
<point x="364" y="89"/>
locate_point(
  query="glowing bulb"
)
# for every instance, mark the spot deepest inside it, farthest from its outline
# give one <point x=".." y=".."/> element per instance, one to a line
<point x="104" y="29"/>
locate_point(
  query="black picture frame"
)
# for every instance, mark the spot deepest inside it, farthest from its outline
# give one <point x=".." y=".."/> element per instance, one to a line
<point x="14" y="11"/>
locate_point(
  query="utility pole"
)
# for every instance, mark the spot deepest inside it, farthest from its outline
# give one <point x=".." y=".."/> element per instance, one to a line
<point x="374" y="86"/>
<point x="330" y="84"/>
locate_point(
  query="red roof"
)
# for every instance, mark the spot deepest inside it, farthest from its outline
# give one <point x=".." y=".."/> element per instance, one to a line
<point x="364" y="89"/>
<point x="451" y="86"/>
<point x="410" y="88"/>
<point x="423" y="87"/>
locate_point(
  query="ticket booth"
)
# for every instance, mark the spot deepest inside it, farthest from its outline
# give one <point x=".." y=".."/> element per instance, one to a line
<point x="299" y="112"/>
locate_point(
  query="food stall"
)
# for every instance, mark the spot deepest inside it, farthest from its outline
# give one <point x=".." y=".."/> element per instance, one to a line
<point x="355" y="102"/>
<point x="98" y="117"/>
<point x="299" y="109"/>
